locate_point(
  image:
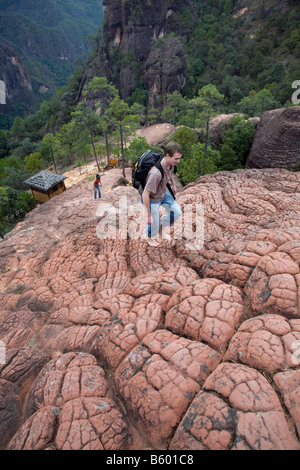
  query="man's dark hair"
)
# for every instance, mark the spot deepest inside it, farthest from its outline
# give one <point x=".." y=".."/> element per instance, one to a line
<point x="172" y="147"/>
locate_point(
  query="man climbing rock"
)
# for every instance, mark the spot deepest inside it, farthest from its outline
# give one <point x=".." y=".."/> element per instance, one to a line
<point x="156" y="194"/>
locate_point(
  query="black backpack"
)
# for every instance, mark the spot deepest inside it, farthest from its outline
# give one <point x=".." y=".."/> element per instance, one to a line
<point x="142" y="167"/>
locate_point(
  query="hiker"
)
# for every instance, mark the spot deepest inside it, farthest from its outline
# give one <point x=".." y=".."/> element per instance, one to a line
<point x="96" y="185"/>
<point x="156" y="194"/>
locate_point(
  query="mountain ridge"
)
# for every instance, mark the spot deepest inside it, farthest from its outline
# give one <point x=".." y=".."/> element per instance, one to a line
<point x="237" y="45"/>
<point x="47" y="42"/>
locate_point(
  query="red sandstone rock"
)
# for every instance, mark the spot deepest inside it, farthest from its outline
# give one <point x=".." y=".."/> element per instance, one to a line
<point x="17" y="327"/>
<point x="159" y="379"/>
<point x="166" y="321"/>
<point x="75" y="410"/>
<point x="209" y="310"/>
<point x="38" y="431"/>
<point x="125" y="331"/>
<point x="10" y="411"/>
<point x="288" y="384"/>
<point x="66" y="378"/>
<point x="246" y="414"/>
<point x="208" y="424"/>
<point x="265" y="342"/>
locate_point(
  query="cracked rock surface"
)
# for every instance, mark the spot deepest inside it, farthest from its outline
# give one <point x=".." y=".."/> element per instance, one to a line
<point x="112" y="344"/>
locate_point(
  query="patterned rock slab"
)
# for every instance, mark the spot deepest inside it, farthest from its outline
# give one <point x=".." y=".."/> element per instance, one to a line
<point x="288" y="384"/>
<point x="209" y="311"/>
<point x="162" y="320"/>
<point x="236" y="409"/>
<point x="159" y="379"/>
<point x="10" y="411"/>
<point x="274" y="285"/>
<point x="75" y="410"/>
<point x="266" y="343"/>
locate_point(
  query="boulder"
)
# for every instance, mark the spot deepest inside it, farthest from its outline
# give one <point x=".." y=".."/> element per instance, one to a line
<point x="277" y="140"/>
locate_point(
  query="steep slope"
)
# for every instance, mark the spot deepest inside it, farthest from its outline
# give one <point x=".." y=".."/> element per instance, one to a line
<point x="112" y="344"/>
<point x="44" y="43"/>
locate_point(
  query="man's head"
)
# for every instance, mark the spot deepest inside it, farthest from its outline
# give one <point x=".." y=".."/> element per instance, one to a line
<point x="97" y="177"/>
<point x="173" y="153"/>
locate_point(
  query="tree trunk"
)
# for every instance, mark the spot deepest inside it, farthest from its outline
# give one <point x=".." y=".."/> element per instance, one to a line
<point x="107" y="148"/>
<point x="95" y="153"/>
<point x="53" y="159"/>
<point x="206" y="137"/>
<point x="122" y="148"/>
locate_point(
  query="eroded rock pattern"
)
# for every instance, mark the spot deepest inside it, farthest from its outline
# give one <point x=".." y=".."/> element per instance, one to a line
<point x="112" y="344"/>
<point x="277" y="140"/>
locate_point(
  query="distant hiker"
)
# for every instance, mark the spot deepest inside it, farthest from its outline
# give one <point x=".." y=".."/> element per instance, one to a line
<point x="96" y="185"/>
<point x="156" y="193"/>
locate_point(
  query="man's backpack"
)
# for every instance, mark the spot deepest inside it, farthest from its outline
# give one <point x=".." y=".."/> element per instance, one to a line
<point x="142" y="167"/>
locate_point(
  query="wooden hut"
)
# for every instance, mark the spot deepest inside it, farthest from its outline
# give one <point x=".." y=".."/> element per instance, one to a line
<point x="45" y="185"/>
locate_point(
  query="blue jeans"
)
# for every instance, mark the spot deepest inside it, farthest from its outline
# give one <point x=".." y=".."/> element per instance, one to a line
<point x="97" y="189"/>
<point x="173" y="213"/>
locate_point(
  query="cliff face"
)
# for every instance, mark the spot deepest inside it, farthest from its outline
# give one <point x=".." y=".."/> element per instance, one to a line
<point x="248" y="8"/>
<point x="17" y="81"/>
<point x="136" y="45"/>
<point x="39" y="47"/>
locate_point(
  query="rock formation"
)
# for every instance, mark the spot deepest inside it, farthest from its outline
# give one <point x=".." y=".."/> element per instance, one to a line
<point x="17" y="81"/>
<point x="221" y="123"/>
<point x="113" y="344"/>
<point x="135" y="47"/>
<point x="39" y="49"/>
<point x="277" y="140"/>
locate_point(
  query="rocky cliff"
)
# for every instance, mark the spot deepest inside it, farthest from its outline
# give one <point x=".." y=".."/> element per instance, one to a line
<point x="167" y="45"/>
<point x="113" y="344"/>
<point x="137" y="45"/>
<point x="18" y="86"/>
<point x="39" y="48"/>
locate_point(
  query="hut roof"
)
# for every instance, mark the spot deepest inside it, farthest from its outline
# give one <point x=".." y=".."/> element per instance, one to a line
<point x="44" y="180"/>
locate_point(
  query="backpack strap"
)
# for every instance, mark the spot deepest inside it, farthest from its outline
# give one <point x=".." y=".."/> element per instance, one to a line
<point x="158" y="165"/>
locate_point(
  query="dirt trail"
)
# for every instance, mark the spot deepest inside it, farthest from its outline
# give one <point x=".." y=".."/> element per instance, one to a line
<point x="154" y="136"/>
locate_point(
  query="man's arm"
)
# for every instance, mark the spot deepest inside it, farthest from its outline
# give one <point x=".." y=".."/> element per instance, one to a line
<point x="173" y="184"/>
<point x="146" y="202"/>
